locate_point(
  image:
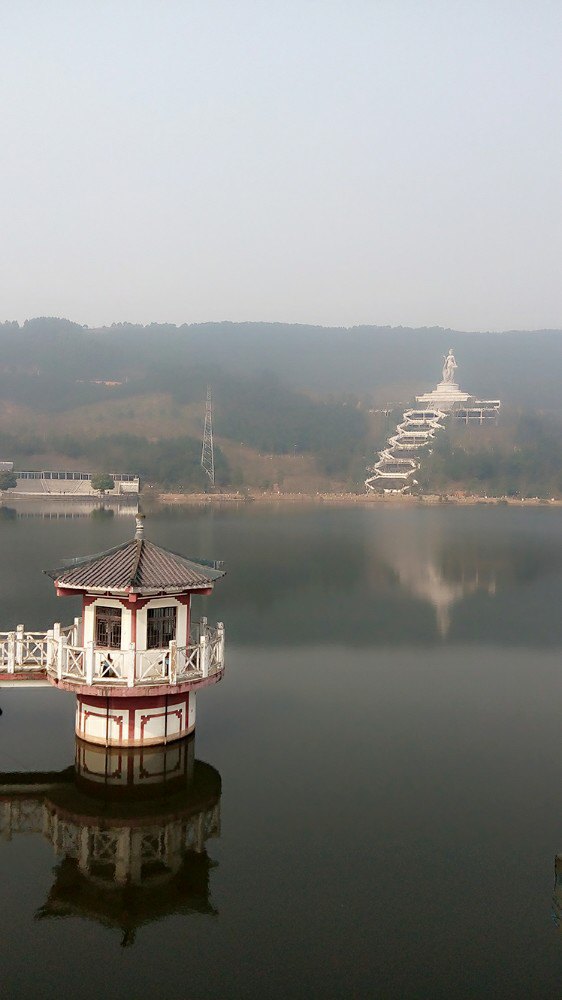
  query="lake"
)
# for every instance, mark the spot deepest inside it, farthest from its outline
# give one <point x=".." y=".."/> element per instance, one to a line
<point x="376" y="783"/>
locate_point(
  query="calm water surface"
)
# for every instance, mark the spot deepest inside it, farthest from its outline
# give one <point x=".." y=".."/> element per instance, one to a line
<point x="384" y="754"/>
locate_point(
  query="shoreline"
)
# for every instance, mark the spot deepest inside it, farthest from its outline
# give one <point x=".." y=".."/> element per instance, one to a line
<point x="347" y="499"/>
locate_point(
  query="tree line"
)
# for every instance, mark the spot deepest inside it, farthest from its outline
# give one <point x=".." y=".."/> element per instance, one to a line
<point x="523" y="457"/>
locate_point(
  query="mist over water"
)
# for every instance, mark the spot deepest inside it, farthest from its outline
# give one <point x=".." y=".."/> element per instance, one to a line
<point x="387" y="741"/>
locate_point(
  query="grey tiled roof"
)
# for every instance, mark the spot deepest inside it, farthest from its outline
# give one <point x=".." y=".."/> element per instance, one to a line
<point x="137" y="566"/>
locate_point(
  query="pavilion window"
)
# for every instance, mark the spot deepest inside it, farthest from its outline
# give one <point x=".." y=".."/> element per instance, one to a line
<point x="108" y="627"/>
<point x="160" y="627"/>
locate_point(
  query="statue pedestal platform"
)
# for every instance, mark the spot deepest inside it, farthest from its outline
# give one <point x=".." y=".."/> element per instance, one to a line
<point x="445" y="396"/>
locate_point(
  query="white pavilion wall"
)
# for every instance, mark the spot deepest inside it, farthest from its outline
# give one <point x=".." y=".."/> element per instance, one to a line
<point x="162" y="602"/>
<point x="127" y="620"/>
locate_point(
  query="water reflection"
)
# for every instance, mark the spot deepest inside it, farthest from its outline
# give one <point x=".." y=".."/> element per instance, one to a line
<point x="67" y="510"/>
<point x="321" y="576"/>
<point x="439" y="569"/>
<point x="557" y="894"/>
<point x="393" y="576"/>
<point x="129" y="828"/>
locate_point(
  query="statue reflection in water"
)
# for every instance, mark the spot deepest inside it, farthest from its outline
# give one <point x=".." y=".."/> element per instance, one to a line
<point x="130" y="828"/>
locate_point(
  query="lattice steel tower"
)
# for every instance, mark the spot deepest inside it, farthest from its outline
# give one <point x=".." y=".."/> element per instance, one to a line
<point x="207" y="451"/>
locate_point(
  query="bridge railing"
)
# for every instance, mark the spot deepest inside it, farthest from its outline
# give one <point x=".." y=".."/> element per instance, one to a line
<point x="24" y="651"/>
<point x="59" y="654"/>
<point x="72" y="632"/>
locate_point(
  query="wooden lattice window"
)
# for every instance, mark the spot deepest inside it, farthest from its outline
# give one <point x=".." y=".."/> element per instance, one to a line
<point x="108" y="627"/>
<point x="160" y="627"/>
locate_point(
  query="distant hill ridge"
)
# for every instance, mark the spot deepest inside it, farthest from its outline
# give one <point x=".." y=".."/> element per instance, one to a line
<point x="132" y="397"/>
<point x="521" y="367"/>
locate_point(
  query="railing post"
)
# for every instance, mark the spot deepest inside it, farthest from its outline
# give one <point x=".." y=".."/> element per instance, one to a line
<point x="204" y="654"/>
<point x="200" y="827"/>
<point x="19" y="645"/>
<point x="56" y="637"/>
<point x="220" y="637"/>
<point x="55" y="834"/>
<point x="90" y="660"/>
<point x="83" y="851"/>
<point x="61" y="655"/>
<point x="131" y="666"/>
<point x="202" y="627"/>
<point x="50" y="650"/>
<point x="76" y="631"/>
<point x="11" y="652"/>
<point x="173" y="661"/>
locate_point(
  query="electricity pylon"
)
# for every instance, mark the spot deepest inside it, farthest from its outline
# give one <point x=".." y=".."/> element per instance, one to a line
<point x="207" y="451"/>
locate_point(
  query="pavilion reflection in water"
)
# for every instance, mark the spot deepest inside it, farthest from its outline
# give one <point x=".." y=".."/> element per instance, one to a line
<point x="130" y="828"/>
<point x="557" y="894"/>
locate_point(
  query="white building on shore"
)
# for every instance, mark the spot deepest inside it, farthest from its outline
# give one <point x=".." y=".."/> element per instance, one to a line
<point x="70" y="484"/>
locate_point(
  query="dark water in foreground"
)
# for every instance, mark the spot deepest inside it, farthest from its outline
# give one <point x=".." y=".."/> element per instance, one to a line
<point x="384" y="753"/>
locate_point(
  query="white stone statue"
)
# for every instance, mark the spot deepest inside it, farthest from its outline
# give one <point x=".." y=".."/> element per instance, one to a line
<point x="449" y="367"/>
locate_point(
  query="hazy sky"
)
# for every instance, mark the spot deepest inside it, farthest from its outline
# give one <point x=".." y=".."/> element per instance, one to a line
<point x="317" y="161"/>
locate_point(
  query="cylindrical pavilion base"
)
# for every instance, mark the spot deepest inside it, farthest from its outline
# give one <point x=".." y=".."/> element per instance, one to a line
<point x="135" y="722"/>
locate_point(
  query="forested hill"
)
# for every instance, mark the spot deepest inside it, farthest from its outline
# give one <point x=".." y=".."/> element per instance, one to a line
<point x="520" y="367"/>
<point x="295" y="406"/>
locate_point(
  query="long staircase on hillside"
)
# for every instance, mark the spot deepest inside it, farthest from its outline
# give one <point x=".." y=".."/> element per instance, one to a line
<point x="400" y="459"/>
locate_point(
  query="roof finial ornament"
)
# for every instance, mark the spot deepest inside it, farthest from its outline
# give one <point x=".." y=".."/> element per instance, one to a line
<point x="139" y="519"/>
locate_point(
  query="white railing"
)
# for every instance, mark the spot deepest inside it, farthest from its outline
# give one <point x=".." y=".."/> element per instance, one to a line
<point x="73" y="662"/>
<point x="153" y="665"/>
<point x="59" y="653"/>
<point x="72" y="632"/>
<point x="188" y="662"/>
<point x="33" y="649"/>
<point x="112" y="666"/>
<point x="22" y="651"/>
